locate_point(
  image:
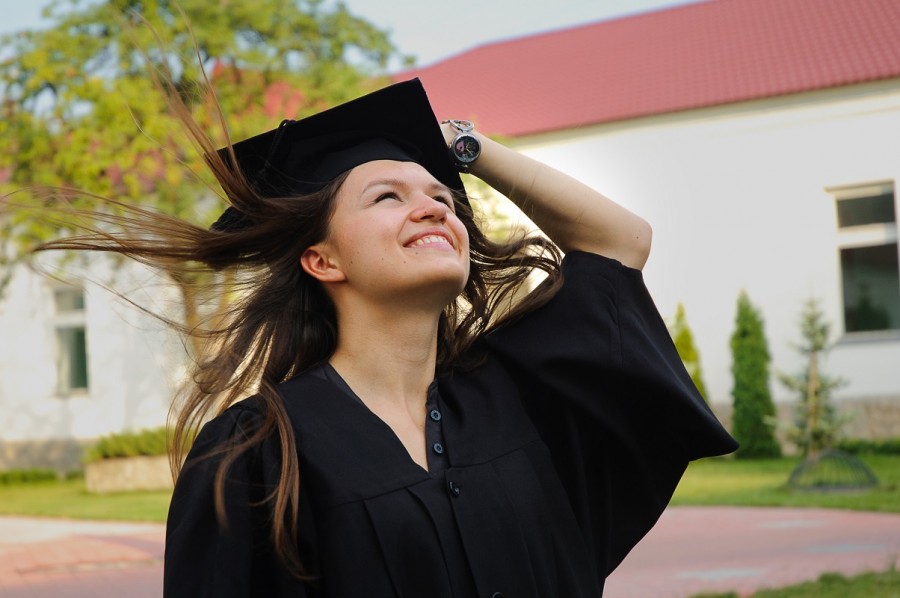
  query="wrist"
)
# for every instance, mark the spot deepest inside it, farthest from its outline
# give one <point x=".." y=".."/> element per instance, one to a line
<point x="463" y="143"/>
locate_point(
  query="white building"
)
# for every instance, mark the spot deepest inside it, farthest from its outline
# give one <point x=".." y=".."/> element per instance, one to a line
<point x="77" y="362"/>
<point x="760" y="138"/>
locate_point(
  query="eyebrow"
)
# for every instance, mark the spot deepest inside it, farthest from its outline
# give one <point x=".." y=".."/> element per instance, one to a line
<point x="394" y="182"/>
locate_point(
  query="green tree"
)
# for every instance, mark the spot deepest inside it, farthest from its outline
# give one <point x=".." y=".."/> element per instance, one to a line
<point x="753" y="406"/>
<point x="82" y="106"/>
<point x="687" y="350"/>
<point x="816" y="425"/>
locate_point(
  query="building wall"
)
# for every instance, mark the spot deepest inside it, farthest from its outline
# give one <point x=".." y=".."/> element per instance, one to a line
<point x="737" y="199"/>
<point x="134" y="364"/>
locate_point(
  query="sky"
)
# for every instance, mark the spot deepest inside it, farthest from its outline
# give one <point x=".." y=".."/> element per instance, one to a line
<point x="432" y="30"/>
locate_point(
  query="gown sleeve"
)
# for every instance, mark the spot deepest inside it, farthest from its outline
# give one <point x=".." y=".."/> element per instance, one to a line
<point x="603" y="383"/>
<point x="205" y="557"/>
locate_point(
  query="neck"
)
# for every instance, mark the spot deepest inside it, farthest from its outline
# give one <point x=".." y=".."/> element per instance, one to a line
<point x="387" y="357"/>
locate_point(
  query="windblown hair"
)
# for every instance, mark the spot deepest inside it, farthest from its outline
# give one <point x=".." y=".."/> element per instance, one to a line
<point x="281" y="322"/>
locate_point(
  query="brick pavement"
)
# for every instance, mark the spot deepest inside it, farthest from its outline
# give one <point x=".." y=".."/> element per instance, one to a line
<point x="692" y="549"/>
<point x="74" y="559"/>
<point x="706" y="549"/>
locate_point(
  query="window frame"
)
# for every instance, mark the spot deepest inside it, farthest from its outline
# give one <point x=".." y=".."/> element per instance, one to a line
<point x="861" y="236"/>
<point x="69" y="319"/>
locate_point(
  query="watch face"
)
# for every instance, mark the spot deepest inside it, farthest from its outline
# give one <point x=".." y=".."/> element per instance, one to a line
<point x="466" y="148"/>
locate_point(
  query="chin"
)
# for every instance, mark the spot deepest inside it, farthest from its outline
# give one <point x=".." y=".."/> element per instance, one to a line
<point x="448" y="287"/>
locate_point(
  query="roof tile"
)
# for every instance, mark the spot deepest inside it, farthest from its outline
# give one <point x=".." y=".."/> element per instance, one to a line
<point x="693" y="56"/>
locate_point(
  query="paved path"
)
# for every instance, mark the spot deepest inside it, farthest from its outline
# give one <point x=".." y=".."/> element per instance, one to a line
<point x="705" y="549"/>
<point x="57" y="558"/>
<point x="692" y="549"/>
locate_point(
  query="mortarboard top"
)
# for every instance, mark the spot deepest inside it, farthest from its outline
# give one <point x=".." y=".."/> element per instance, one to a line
<point x="393" y="123"/>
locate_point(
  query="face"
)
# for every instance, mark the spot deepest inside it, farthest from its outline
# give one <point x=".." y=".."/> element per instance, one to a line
<point x="395" y="237"/>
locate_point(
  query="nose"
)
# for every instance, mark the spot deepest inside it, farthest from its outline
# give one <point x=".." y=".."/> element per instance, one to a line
<point x="429" y="208"/>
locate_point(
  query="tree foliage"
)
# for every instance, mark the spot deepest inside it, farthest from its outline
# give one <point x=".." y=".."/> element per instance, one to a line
<point x="82" y="106"/>
<point x="81" y="109"/>
<point x="816" y="426"/>
<point x="753" y="406"/>
<point x="687" y="350"/>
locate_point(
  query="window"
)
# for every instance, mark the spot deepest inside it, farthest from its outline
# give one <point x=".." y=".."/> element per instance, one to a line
<point x="71" y="342"/>
<point x="870" y="268"/>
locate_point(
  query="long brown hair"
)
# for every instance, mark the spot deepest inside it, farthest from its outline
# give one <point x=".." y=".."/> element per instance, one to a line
<point x="281" y="322"/>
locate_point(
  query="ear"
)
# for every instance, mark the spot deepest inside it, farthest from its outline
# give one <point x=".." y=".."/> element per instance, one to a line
<point x="316" y="262"/>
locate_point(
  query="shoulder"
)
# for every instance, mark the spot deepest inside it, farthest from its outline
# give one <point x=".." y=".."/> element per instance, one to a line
<point x="220" y="436"/>
<point x="592" y="289"/>
<point x="239" y="420"/>
<point x="597" y="272"/>
<point x="590" y="282"/>
<point x="242" y="419"/>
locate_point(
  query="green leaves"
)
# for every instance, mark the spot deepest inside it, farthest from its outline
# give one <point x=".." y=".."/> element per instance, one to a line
<point x="85" y="104"/>
<point x="82" y="109"/>
<point x="687" y="350"/>
<point x="753" y="406"/>
<point x="816" y="424"/>
<point x="129" y="444"/>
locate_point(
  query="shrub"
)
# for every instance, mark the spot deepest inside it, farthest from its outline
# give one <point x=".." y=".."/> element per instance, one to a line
<point x="687" y="350"/>
<point x="753" y="406"/>
<point x="129" y="444"/>
<point x="861" y="446"/>
<point x="24" y="476"/>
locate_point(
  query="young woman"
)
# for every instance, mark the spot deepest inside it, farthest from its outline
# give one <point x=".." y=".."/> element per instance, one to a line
<point x="410" y="434"/>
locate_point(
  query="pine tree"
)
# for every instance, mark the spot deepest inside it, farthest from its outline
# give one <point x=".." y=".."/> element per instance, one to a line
<point x="687" y="350"/>
<point x="752" y="398"/>
<point x="816" y="426"/>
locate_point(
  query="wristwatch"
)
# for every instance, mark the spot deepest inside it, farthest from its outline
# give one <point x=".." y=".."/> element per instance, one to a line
<point x="465" y="147"/>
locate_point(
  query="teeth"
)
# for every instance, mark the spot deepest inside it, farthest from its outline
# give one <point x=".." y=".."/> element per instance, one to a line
<point x="429" y="239"/>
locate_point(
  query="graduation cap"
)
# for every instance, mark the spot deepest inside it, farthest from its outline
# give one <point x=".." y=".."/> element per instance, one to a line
<point x="302" y="156"/>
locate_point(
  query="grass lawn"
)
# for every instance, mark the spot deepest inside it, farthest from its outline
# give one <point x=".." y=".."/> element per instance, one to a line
<point x="707" y="482"/>
<point x="833" y="585"/>
<point x="70" y="499"/>
<point x="723" y="481"/>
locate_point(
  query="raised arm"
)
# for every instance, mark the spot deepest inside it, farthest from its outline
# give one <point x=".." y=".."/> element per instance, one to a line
<point x="572" y="214"/>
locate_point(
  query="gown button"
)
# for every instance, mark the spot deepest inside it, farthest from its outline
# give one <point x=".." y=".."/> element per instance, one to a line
<point x="435" y="415"/>
<point x="454" y="489"/>
<point x="438" y="448"/>
<point x="496" y="595"/>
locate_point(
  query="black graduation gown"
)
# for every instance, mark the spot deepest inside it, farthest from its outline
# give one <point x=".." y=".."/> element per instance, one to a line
<point x="561" y="452"/>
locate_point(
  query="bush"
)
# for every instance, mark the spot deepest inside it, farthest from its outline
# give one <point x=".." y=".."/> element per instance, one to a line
<point x="753" y="407"/>
<point x="861" y="446"/>
<point x="129" y="444"/>
<point x="687" y="350"/>
<point x="24" y="476"/>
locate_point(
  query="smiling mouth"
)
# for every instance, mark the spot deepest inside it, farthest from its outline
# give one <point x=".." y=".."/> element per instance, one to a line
<point x="430" y="240"/>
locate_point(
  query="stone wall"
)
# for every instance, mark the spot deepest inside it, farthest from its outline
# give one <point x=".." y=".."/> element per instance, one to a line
<point x="107" y="475"/>
<point x="875" y="418"/>
<point x="871" y="418"/>
<point x="61" y="455"/>
<point x="128" y="474"/>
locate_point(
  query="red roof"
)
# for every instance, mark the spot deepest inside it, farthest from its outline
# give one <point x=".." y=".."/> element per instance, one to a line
<point x="693" y="56"/>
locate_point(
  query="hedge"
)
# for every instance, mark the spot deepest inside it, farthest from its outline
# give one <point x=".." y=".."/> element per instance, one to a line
<point x="24" y="476"/>
<point x="129" y="444"/>
<point x="860" y="446"/>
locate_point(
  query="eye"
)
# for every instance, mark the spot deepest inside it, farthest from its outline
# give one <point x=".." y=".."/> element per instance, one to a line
<point x="446" y="199"/>
<point x="384" y="196"/>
